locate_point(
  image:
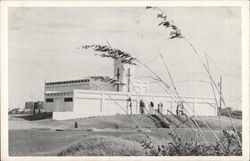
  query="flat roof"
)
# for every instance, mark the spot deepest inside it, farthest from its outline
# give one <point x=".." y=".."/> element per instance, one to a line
<point x="68" y="81"/>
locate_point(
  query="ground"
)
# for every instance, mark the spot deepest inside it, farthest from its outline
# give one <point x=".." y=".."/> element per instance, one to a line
<point x="104" y="135"/>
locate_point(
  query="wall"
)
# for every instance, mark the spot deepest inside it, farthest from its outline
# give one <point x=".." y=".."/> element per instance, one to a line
<point x="29" y="105"/>
<point x="68" y="85"/>
<point x="58" y="104"/>
<point x="139" y="86"/>
<point x="37" y="105"/>
<point x="124" y="70"/>
<point x="101" y="85"/>
<point x="96" y="103"/>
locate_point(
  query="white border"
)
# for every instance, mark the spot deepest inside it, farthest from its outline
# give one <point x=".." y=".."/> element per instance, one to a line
<point x="4" y="70"/>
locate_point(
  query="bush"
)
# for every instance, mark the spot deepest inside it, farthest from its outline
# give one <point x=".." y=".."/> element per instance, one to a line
<point x="228" y="145"/>
<point x="234" y="114"/>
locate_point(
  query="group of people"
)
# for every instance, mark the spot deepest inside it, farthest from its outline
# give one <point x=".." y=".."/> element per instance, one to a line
<point x="179" y="108"/>
<point x="151" y="107"/>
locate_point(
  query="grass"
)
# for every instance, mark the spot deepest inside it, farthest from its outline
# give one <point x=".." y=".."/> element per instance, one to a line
<point x="33" y="138"/>
<point x="103" y="146"/>
<point x="50" y="142"/>
<point x="39" y="142"/>
<point x="34" y="117"/>
<point x="47" y="142"/>
<point x="117" y="121"/>
<point x="100" y="122"/>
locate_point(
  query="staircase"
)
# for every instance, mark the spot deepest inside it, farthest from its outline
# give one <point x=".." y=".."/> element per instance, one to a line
<point x="160" y="122"/>
<point x="173" y="120"/>
<point x="180" y="121"/>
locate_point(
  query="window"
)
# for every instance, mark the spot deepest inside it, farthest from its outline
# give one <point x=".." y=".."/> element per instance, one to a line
<point x="49" y="100"/>
<point x="68" y="99"/>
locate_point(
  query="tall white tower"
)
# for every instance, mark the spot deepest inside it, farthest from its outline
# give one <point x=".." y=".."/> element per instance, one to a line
<point x="125" y="73"/>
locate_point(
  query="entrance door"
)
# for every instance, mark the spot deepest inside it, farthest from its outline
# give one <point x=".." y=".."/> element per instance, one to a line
<point x="58" y="105"/>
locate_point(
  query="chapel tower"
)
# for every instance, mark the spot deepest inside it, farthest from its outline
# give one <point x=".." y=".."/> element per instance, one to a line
<point x="125" y="73"/>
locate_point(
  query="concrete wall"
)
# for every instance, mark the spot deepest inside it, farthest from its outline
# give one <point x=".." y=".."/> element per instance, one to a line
<point x="139" y="86"/>
<point x="29" y="105"/>
<point x="97" y="103"/>
<point x="86" y="84"/>
<point x="101" y="85"/>
<point x="35" y="105"/>
<point x="58" y="104"/>
<point x="68" y="85"/>
<point x="124" y="70"/>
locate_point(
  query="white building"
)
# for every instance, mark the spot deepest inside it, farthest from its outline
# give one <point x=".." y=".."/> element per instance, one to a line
<point x="94" y="97"/>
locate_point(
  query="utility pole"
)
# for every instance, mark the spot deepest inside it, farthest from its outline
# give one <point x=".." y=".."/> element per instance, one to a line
<point x="129" y="76"/>
<point x="220" y="83"/>
<point x="118" y="78"/>
<point x="219" y="110"/>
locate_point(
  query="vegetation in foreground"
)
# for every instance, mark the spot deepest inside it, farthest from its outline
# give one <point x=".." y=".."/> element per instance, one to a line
<point x="115" y="143"/>
<point x="51" y="143"/>
<point x="114" y="146"/>
<point x="103" y="146"/>
<point x="42" y="141"/>
<point x="228" y="145"/>
<point x="236" y="114"/>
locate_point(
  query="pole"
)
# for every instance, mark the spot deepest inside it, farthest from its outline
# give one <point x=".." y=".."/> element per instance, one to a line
<point x="220" y="93"/>
<point x="118" y="78"/>
<point x="128" y="75"/>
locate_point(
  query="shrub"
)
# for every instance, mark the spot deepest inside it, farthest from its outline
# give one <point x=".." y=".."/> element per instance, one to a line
<point x="234" y="114"/>
<point x="228" y="145"/>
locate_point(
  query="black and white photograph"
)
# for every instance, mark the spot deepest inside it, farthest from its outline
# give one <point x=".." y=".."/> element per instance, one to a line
<point x="125" y="80"/>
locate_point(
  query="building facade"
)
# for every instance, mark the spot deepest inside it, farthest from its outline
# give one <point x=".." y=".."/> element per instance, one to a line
<point x="92" y="97"/>
<point x="35" y="106"/>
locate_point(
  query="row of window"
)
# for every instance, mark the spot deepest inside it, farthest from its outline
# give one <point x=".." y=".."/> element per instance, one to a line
<point x="67" y="82"/>
<point x="66" y="99"/>
<point x="59" y="94"/>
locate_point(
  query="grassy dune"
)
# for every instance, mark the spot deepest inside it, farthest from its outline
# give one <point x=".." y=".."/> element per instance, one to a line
<point x="104" y="135"/>
<point x="51" y="143"/>
<point x="214" y="122"/>
<point x="103" y="146"/>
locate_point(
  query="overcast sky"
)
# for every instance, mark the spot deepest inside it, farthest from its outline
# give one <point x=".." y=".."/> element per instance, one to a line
<point x="43" y="46"/>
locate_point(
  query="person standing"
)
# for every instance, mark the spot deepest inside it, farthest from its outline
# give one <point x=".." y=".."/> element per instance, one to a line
<point x="142" y="107"/>
<point x="151" y="108"/>
<point x="130" y="105"/>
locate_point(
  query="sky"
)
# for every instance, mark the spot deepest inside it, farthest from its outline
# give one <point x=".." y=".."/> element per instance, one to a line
<point x="44" y="46"/>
